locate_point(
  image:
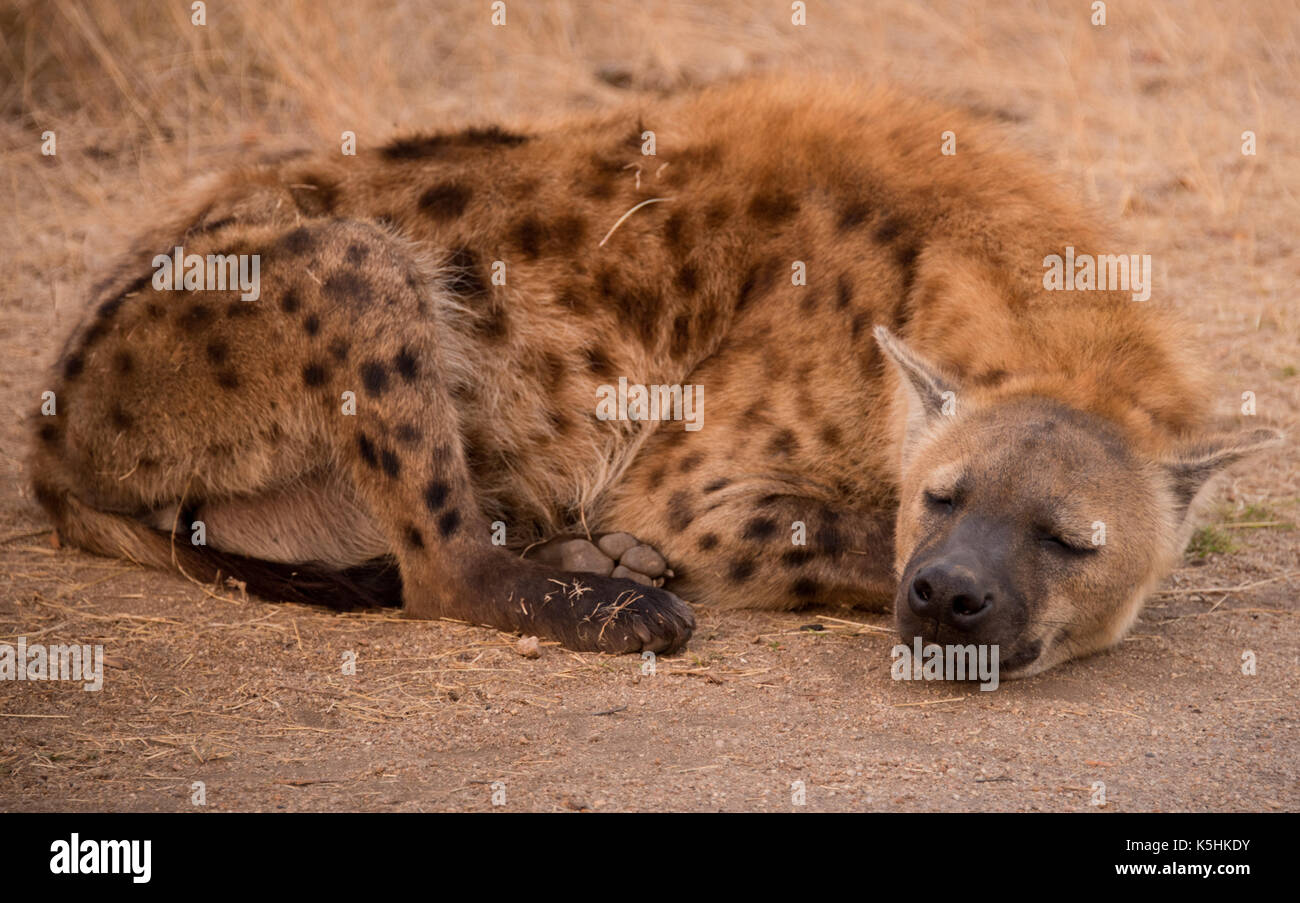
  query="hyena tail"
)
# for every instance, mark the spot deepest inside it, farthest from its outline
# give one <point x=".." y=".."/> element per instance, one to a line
<point x="375" y="583"/>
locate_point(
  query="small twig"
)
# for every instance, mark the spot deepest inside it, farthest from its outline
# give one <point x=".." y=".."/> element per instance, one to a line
<point x="624" y="217"/>
<point x="903" y="705"/>
<point x="1226" y="589"/>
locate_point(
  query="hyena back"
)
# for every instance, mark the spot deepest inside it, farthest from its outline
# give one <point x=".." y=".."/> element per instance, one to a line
<point x="894" y="406"/>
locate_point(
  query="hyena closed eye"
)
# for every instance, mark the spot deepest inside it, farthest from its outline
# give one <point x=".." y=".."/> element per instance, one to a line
<point x="406" y="412"/>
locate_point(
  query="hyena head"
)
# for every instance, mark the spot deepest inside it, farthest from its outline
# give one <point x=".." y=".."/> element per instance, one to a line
<point x="1030" y="525"/>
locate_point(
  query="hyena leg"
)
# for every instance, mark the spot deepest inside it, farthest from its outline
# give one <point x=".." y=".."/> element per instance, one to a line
<point x="759" y="542"/>
<point x="336" y="367"/>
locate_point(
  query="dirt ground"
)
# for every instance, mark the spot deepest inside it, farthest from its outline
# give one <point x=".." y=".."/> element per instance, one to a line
<point x="1143" y="116"/>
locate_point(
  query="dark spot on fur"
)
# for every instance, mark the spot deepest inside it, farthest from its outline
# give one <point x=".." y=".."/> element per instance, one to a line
<point x="637" y="307"/>
<point x="676" y="231"/>
<point x="49" y="433"/>
<point x="493" y="323"/>
<point x="298" y="241"/>
<point x="782" y="444"/>
<point x="73" y="367"/>
<point x="708" y="542"/>
<point x="829" y="539"/>
<point x="156" y="311"/>
<point x="598" y="362"/>
<point x="414" y="538"/>
<point x="420" y="147"/>
<point x="123" y="362"/>
<point x="843" y="292"/>
<point x="339" y="349"/>
<point x="195" y="317"/>
<point x="346" y="286"/>
<point x="435" y="495"/>
<point x="367" y="450"/>
<point x="797" y="558"/>
<point x="906" y="254"/>
<point x="889" y="229"/>
<point x="290" y="302"/>
<point x="716" y="485"/>
<point x="314" y="374"/>
<point x="527" y="236"/>
<point x="773" y="208"/>
<point x="717" y="213"/>
<point x="760" y="528"/>
<point x="853" y="215"/>
<point x="120" y="418"/>
<point x="109" y="308"/>
<point x="449" y="523"/>
<point x="227" y="378"/>
<point x="680" y="513"/>
<point x="356" y="253"/>
<point x="444" y="201"/>
<point x="690" y="462"/>
<point x="741" y="569"/>
<point x="606" y="166"/>
<point x="389" y="461"/>
<point x="374" y="376"/>
<point x="408" y="433"/>
<point x="758" y="281"/>
<point x="311" y="324"/>
<point x="682" y="335"/>
<point x="830" y="434"/>
<point x="218" y="352"/>
<point x="688" y="279"/>
<point x="805" y="588"/>
<point x="50" y="498"/>
<point x="567" y="233"/>
<point x="408" y="367"/>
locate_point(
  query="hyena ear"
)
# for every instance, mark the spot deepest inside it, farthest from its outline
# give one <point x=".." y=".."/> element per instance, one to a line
<point x="928" y="388"/>
<point x="1192" y="466"/>
<point x="931" y="394"/>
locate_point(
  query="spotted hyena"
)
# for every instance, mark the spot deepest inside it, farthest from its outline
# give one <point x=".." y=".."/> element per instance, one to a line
<point x="888" y="402"/>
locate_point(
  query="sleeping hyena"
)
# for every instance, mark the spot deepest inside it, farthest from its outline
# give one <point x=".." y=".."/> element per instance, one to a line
<point x="893" y="404"/>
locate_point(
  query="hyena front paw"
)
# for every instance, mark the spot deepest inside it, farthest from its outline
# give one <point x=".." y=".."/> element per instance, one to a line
<point x="618" y="616"/>
<point x="619" y="555"/>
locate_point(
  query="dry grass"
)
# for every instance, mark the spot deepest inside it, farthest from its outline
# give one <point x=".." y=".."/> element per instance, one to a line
<point x="1143" y="117"/>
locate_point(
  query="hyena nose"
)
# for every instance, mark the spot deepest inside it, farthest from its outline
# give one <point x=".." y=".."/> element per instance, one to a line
<point x="950" y="594"/>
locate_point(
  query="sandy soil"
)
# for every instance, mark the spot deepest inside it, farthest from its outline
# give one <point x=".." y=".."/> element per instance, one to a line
<point x="1144" y="116"/>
